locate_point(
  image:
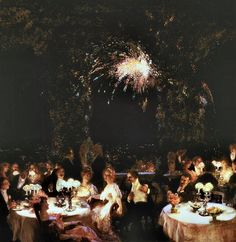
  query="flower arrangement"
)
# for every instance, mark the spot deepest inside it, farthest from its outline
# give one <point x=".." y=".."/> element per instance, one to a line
<point x="173" y="199"/>
<point x="69" y="184"/>
<point x="208" y="187"/>
<point x="67" y="189"/>
<point x="32" y="189"/>
<point x="199" y="186"/>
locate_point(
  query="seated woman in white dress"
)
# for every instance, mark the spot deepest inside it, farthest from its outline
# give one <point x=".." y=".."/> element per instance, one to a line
<point x="86" y="189"/>
<point x="101" y="214"/>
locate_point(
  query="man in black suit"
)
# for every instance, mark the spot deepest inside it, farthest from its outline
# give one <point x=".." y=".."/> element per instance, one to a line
<point x="5" y="205"/>
<point x="184" y="188"/>
<point x="49" y="184"/>
<point x="72" y="165"/>
<point x="17" y="184"/>
<point x="139" y="206"/>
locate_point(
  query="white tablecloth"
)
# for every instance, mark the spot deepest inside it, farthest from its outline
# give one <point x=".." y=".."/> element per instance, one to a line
<point x="25" y="225"/>
<point x="188" y="226"/>
<point x="83" y="211"/>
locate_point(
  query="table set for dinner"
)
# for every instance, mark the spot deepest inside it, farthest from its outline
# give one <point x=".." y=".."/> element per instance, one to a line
<point x="25" y="226"/>
<point x="186" y="224"/>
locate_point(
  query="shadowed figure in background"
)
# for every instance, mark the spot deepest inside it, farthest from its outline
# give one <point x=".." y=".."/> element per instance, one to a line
<point x="98" y="166"/>
<point x="72" y="165"/>
<point x="49" y="184"/>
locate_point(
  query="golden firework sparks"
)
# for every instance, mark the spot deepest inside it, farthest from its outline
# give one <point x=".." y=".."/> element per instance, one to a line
<point x="136" y="72"/>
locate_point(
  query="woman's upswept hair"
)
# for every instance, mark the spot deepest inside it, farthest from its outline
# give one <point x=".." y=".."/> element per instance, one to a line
<point x="2" y="179"/>
<point x="86" y="170"/>
<point x="111" y="172"/>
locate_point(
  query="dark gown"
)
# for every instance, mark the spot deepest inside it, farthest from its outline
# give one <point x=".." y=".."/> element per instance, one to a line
<point x="48" y="233"/>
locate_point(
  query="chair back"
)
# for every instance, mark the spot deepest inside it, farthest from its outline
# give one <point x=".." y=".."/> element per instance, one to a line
<point x="217" y="197"/>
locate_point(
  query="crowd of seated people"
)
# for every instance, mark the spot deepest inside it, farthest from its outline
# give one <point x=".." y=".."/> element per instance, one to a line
<point x="132" y="201"/>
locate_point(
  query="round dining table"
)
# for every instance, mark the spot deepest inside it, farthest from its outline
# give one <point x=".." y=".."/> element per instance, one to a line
<point x="187" y="226"/>
<point x="25" y="226"/>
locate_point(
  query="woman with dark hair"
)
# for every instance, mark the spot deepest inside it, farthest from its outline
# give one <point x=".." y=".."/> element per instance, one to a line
<point x="47" y="233"/>
<point x="56" y="231"/>
<point x="4" y="168"/>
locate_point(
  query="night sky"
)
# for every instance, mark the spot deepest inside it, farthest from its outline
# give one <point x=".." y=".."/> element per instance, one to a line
<point x="24" y="112"/>
<point x="24" y="108"/>
<point x="124" y="121"/>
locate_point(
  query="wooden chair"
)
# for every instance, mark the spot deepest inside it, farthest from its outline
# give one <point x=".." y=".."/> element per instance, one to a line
<point x="217" y="197"/>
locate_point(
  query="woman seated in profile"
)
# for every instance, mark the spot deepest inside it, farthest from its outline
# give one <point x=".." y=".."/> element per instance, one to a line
<point x="86" y="189"/>
<point x="56" y="231"/>
<point x="111" y="195"/>
<point x="47" y="234"/>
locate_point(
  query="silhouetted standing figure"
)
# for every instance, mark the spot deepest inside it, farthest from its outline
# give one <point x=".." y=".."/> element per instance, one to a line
<point x="98" y="166"/>
<point x="72" y="165"/>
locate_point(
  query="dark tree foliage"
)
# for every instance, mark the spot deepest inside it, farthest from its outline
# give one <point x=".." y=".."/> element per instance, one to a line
<point x="180" y="36"/>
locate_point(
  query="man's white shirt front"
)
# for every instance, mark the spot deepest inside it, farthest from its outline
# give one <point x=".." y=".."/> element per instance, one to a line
<point x="5" y="195"/>
<point x="139" y="196"/>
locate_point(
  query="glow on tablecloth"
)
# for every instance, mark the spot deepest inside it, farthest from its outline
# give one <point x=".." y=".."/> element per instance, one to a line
<point x="188" y="226"/>
<point x="53" y="209"/>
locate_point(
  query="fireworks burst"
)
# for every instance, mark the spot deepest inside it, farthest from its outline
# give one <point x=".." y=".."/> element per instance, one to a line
<point x="135" y="71"/>
<point x="125" y="65"/>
